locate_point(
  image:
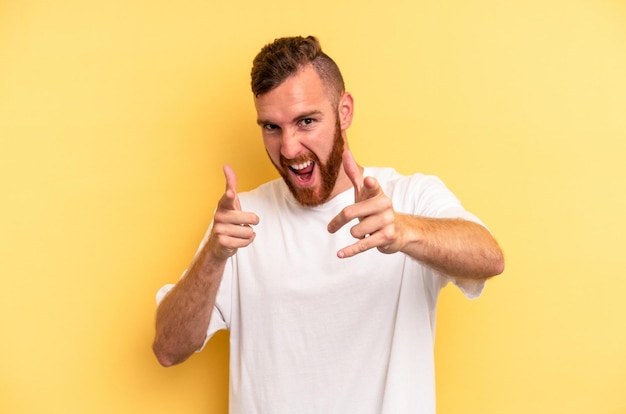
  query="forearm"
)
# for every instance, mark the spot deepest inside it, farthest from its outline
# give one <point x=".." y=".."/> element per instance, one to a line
<point x="454" y="247"/>
<point x="184" y="313"/>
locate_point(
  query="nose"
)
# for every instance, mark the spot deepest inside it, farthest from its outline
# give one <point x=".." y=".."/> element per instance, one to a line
<point x="290" y="146"/>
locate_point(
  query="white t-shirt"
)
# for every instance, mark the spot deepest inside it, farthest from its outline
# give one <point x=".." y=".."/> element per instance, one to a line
<point x="312" y="333"/>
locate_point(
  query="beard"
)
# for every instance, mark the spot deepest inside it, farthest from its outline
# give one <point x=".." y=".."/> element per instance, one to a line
<point x="329" y="171"/>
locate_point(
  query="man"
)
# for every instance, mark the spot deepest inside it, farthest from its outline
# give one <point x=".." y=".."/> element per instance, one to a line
<point x="327" y="278"/>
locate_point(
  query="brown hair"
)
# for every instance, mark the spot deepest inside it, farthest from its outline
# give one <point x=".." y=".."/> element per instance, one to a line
<point x="282" y="58"/>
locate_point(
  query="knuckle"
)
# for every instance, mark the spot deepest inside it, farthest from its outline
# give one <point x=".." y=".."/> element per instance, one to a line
<point x="388" y="237"/>
<point x="354" y="231"/>
<point x="361" y="247"/>
<point x="388" y="217"/>
<point x="347" y="213"/>
<point x="384" y="204"/>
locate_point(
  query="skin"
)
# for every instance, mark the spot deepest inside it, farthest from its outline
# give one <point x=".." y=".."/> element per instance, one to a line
<point x="455" y="247"/>
<point x="300" y="122"/>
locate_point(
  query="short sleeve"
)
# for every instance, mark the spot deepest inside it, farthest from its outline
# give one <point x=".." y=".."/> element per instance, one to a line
<point x="471" y="288"/>
<point x="429" y="196"/>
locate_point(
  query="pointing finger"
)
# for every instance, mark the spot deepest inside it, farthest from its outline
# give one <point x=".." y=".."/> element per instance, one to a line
<point x="371" y="188"/>
<point x="230" y="200"/>
<point x="231" y="178"/>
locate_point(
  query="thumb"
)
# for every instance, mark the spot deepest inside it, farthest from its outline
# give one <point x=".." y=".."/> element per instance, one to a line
<point x="353" y="171"/>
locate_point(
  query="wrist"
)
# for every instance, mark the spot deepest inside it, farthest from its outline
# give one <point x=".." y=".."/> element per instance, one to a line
<point x="408" y="229"/>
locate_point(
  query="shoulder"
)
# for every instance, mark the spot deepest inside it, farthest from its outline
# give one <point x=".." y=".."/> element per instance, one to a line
<point x="420" y="194"/>
<point x="393" y="181"/>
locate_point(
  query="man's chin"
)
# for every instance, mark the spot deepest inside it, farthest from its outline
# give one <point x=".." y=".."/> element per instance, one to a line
<point x="311" y="192"/>
<point x="307" y="196"/>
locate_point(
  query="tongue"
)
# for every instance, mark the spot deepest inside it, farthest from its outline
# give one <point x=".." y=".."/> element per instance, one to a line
<point x="305" y="173"/>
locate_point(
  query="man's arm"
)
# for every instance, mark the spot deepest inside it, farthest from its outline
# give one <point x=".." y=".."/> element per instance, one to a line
<point x="455" y="247"/>
<point x="184" y="313"/>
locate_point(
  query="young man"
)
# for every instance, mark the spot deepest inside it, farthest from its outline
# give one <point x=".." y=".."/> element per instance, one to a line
<point x="327" y="278"/>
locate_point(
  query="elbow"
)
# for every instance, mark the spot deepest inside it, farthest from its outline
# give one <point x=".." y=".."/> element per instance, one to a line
<point x="498" y="268"/>
<point x="489" y="264"/>
<point x="170" y="353"/>
<point x="166" y="357"/>
<point x="162" y="357"/>
<point x="497" y="262"/>
<point x="164" y="361"/>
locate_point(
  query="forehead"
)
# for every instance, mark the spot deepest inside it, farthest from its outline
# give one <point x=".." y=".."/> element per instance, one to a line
<point x="301" y="93"/>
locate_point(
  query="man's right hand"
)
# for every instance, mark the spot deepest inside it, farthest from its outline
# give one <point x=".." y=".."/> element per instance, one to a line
<point x="232" y="228"/>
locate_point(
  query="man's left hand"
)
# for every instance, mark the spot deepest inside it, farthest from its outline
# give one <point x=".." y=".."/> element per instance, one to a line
<point x="378" y="222"/>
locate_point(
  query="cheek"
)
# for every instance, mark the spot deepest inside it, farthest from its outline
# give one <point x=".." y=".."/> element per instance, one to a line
<point x="273" y="149"/>
<point x="323" y="144"/>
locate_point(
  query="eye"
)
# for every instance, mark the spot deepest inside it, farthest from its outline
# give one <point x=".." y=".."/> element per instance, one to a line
<point x="270" y="127"/>
<point x="307" y="122"/>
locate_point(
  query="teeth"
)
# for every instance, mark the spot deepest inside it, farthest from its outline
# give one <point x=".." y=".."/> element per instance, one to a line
<point x="302" y="166"/>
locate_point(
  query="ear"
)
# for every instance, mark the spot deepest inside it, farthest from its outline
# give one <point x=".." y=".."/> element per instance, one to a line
<point x="346" y="110"/>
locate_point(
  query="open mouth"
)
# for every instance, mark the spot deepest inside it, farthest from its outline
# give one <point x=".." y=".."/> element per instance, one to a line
<point x="303" y="172"/>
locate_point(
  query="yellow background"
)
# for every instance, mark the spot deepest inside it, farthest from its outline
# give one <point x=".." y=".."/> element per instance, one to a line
<point x="115" y="119"/>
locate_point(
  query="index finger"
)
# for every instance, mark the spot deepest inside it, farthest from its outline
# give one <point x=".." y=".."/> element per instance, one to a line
<point x="229" y="200"/>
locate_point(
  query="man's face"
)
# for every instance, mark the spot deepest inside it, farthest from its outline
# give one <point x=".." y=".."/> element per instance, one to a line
<point x="303" y="137"/>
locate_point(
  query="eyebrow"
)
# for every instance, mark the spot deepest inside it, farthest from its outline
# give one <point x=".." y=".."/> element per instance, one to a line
<point x="297" y="118"/>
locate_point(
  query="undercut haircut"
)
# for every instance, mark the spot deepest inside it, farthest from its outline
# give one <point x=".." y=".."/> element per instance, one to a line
<point x="283" y="58"/>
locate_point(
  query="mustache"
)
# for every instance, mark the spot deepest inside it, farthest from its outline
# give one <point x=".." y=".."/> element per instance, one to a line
<point x="286" y="162"/>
